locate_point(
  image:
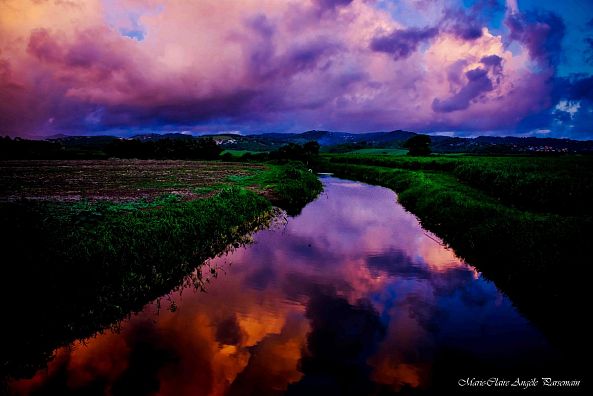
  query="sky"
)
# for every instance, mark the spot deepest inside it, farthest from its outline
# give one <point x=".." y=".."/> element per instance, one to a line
<point x="464" y="68"/>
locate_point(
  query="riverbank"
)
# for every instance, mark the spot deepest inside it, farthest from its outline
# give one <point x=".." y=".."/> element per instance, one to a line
<point x="496" y="214"/>
<point x="87" y="244"/>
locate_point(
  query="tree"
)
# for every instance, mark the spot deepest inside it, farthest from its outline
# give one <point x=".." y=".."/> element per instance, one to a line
<point x="418" y="145"/>
<point x="311" y="148"/>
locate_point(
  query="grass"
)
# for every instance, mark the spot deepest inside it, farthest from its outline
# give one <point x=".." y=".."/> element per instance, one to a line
<point x="289" y="186"/>
<point x="523" y="222"/>
<point x="379" y="151"/>
<point x="80" y="265"/>
<point x="239" y="153"/>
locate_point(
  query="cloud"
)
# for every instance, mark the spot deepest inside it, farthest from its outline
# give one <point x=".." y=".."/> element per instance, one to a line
<point x="461" y="24"/>
<point x="540" y="32"/>
<point x="492" y="61"/>
<point x="477" y="84"/>
<point x="402" y="43"/>
<point x="270" y="66"/>
<point x="332" y="4"/>
<point x="43" y="46"/>
<point x="581" y="88"/>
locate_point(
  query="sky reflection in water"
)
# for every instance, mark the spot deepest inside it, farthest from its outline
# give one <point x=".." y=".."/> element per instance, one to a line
<point x="351" y="294"/>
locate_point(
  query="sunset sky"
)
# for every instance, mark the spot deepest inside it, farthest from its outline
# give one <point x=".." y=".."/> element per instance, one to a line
<point x="520" y="67"/>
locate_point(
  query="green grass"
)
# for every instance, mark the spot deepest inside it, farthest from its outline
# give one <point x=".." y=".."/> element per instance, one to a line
<point x="562" y="185"/>
<point x="523" y="222"/>
<point x="239" y="153"/>
<point x="379" y="151"/>
<point x="289" y="185"/>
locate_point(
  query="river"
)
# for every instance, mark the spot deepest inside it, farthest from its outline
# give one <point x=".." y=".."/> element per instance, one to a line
<point x="352" y="296"/>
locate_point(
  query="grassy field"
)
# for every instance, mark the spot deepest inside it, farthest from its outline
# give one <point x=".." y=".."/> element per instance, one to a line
<point x="379" y="151"/>
<point x="88" y="243"/>
<point x="239" y="153"/>
<point x="524" y="222"/>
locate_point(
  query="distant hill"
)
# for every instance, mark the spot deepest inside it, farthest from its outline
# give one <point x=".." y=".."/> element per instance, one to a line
<point x="343" y="142"/>
<point x="82" y="142"/>
<point x="153" y="137"/>
<point x="271" y="141"/>
<point x="509" y="144"/>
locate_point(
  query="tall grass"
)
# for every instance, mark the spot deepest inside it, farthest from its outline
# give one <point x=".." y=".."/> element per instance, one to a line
<point x="556" y="184"/>
<point x="289" y="185"/>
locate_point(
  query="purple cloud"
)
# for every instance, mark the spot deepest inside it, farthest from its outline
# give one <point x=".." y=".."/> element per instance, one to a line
<point x="541" y="33"/>
<point x="308" y="55"/>
<point x="477" y="83"/>
<point x="462" y="25"/>
<point x="494" y="63"/>
<point x="332" y="4"/>
<point x="466" y="24"/>
<point x="402" y="43"/>
<point x="282" y="66"/>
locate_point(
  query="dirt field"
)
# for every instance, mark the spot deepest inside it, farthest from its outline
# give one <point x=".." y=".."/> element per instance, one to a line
<point x="114" y="180"/>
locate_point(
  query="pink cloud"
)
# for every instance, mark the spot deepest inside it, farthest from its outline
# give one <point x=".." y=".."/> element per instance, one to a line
<point x="339" y="64"/>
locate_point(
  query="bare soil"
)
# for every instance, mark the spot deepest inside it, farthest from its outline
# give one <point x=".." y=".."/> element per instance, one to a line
<point x="114" y="180"/>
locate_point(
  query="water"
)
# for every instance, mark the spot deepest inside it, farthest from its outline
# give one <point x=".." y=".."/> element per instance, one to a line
<point x="350" y="297"/>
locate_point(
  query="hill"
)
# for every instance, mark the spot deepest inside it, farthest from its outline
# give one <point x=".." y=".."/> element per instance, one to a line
<point x="346" y="142"/>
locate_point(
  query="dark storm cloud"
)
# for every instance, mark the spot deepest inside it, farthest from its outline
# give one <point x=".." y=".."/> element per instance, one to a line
<point x="463" y="25"/>
<point x="402" y="43"/>
<point x="494" y="61"/>
<point x="332" y="4"/>
<point x="478" y="83"/>
<point x="541" y="33"/>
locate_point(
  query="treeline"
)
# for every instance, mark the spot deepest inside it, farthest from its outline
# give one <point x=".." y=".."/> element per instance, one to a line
<point x="187" y="149"/>
<point x="18" y="148"/>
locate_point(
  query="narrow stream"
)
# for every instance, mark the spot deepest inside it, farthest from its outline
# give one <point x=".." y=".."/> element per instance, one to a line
<point x="350" y="297"/>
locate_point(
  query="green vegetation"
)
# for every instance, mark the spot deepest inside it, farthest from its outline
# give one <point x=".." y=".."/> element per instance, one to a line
<point x="79" y="267"/>
<point x="238" y="153"/>
<point x="546" y="184"/>
<point x="289" y="185"/>
<point x="380" y="151"/>
<point x="525" y="222"/>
